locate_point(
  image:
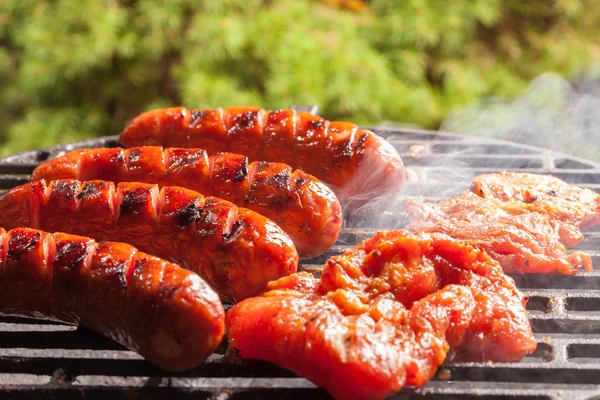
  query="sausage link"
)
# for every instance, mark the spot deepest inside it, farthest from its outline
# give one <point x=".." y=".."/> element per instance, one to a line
<point x="236" y="250"/>
<point x="305" y="208"/>
<point x="361" y="167"/>
<point x="166" y="313"/>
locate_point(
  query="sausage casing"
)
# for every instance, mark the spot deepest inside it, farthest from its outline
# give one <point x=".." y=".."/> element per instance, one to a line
<point x="164" y="312"/>
<point x="305" y="208"/>
<point x="360" y="166"/>
<point x="237" y="251"/>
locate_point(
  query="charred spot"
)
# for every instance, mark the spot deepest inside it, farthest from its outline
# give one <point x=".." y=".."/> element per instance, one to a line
<point x="37" y="188"/>
<point x="118" y="157"/>
<point x="70" y="254"/>
<point x="132" y="199"/>
<point x="281" y="180"/>
<point x="184" y="157"/>
<point x="190" y="214"/>
<point x="527" y="263"/>
<point x="552" y="193"/>
<point x="140" y="264"/>
<point x="134" y="155"/>
<point x="242" y="173"/>
<point x="196" y="116"/>
<point x="361" y="140"/>
<point x="316" y="124"/>
<point x="247" y="119"/>
<point x="22" y="242"/>
<point x="65" y="189"/>
<point x="88" y="191"/>
<point x="298" y="182"/>
<point x="262" y="165"/>
<point x="122" y="268"/>
<point x="236" y="230"/>
<point x="167" y="291"/>
<point x="347" y="149"/>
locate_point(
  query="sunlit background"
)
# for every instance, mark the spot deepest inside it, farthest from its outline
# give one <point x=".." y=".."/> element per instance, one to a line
<point x="522" y="70"/>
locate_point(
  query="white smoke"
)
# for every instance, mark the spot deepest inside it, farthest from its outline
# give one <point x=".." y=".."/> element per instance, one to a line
<point x="549" y="113"/>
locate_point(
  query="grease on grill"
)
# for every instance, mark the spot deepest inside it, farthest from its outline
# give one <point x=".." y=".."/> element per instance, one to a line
<point x="444" y="374"/>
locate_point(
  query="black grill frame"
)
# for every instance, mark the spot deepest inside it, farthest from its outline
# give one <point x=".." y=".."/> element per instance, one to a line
<point x="40" y="359"/>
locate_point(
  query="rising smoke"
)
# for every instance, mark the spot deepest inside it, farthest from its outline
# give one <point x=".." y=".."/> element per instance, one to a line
<point x="550" y="113"/>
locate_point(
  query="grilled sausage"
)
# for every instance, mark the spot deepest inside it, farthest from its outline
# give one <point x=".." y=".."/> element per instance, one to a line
<point x="301" y="205"/>
<point x="361" y="166"/>
<point x="167" y="314"/>
<point x="236" y="250"/>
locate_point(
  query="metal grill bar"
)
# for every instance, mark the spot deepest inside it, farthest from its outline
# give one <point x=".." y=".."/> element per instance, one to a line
<point x="47" y="360"/>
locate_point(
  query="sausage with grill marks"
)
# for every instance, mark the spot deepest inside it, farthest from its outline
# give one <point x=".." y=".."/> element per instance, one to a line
<point x="236" y="250"/>
<point x="166" y="313"/>
<point x="361" y="166"/>
<point x="300" y="204"/>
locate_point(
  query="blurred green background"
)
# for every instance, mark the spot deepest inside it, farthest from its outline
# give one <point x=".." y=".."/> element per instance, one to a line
<point x="73" y="69"/>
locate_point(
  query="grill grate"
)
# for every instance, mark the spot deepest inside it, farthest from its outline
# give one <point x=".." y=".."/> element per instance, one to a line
<point x="46" y="360"/>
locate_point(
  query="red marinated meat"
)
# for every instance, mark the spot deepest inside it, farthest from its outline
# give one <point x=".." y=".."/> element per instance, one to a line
<point x="385" y="314"/>
<point x="543" y="193"/>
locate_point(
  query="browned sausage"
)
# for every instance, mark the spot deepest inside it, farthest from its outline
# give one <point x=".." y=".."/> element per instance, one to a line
<point x="361" y="166"/>
<point x="167" y="314"/>
<point x="236" y="250"/>
<point x="301" y="205"/>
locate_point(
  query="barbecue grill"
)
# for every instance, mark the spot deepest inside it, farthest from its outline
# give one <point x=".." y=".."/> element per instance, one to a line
<point x="40" y="359"/>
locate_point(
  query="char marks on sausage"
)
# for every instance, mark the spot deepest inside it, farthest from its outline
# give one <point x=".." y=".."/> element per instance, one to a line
<point x="236" y="250"/>
<point x="167" y="314"/>
<point x="305" y="208"/>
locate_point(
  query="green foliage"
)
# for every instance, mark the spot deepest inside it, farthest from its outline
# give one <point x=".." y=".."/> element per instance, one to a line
<point x="71" y="69"/>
